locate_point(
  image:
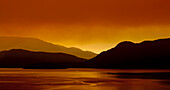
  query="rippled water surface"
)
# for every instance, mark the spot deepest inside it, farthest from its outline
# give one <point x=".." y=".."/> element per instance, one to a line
<point x="84" y="79"/>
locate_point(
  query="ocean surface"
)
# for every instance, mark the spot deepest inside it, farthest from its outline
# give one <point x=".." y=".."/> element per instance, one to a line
<point x="83" y="79"/>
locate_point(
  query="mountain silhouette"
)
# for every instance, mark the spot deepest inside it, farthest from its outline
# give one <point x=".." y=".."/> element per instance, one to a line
<point x="129" y="55"/>
<point x="33" y="44"/>
<point x="18" y="58"/>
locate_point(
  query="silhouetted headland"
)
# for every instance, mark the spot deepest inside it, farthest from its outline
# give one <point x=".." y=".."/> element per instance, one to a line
<point x="18" y="58"/>
<point x="129" y="55"/>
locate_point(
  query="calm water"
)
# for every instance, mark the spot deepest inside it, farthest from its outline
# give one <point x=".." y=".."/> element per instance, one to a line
<point x="84" y="79"/>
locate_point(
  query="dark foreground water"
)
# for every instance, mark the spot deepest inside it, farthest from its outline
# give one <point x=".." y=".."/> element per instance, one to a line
<point x="84" y="79"/>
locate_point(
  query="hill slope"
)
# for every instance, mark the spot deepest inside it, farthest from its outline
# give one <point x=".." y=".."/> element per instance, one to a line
<point x="33" y="44"/>
<point x="148" y="54"/>
<point x="18" y="58"/>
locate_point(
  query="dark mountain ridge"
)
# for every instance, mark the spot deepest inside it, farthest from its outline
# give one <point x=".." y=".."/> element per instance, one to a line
<point x="129" y="55"/>
<point x="18" y="58"/>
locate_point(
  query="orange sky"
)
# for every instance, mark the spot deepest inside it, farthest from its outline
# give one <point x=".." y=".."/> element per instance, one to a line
<point x="94" y="25"/>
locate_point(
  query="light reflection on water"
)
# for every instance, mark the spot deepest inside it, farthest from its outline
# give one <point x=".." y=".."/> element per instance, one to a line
<point x="83" y="79"/>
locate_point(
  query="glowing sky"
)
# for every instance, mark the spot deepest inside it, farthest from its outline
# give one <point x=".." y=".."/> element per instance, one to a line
<point x="93" y="25"/>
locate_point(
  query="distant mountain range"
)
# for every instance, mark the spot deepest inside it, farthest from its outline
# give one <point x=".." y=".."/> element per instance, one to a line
<point x="33" y="44"/>
<point x="18" y="58"/>
<point x="126" y="55"/>
<point x="129" y="55"/>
